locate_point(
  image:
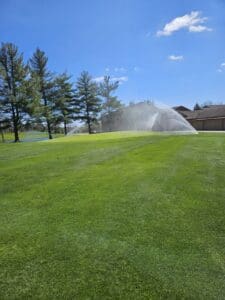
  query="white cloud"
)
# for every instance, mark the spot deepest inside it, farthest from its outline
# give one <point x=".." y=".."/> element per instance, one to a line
<point x="175" y="57"/>
<point x="199" y="28"/>
<point x="107" y="70"/>
<point x="193" y="22"/>
<point x="120" y="69"/>
<point x="98" y="79"/>
<point x="221" y="68"/>
<point x="120" y="79"/>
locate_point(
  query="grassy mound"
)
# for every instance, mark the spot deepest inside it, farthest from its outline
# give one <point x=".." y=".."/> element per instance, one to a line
<point x="113" y="216"/>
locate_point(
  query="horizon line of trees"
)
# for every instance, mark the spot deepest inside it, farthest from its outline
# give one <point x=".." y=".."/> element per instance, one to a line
<point x="32" y="94"/>
<point x="206" y="104"/>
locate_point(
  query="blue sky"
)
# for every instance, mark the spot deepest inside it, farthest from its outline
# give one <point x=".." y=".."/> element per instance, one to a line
<point x="141" y="42"/>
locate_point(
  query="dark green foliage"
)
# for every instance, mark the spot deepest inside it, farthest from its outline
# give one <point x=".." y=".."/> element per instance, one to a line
<point x="197" y="107"/>
<point x="17" y="95"/>
<point x="46" y="83"/>
<point x="106" y="89"/>
<point x="88" y="104"/>
<point x="206" y="104"/>
<point x="33" y="97"/>
<point x="64" y="111"/>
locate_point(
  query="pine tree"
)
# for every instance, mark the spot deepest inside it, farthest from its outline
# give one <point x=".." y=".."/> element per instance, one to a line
<point x="15" y="96"/>
<point x="106" y="89"/>
<point x="197" y="107"/>
<point x="64" y="99"/>
<point x="40" y="72"/>
<point x="87" y="101"/>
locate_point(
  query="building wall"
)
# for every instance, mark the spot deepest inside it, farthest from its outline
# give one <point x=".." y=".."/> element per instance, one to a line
<point x="208" y="124"/>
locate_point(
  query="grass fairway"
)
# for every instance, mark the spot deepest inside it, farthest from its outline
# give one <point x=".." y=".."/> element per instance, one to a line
<point x="113" y="216"/>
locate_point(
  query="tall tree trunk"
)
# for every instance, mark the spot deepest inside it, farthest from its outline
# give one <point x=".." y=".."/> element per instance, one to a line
<point x="89" y="125"/>
<point x="15" y="124"/>
<point x="14" y="106"/>
<point x="47" y="120"/>
<point x="15" y="117"/>
<point x="65" y="127"/>
<point x="16" y="132"/>
<point x="88" y="120"/>
<point x="49" y="130"/>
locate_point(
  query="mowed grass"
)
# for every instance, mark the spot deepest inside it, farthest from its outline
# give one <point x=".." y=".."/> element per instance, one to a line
<point x="113" y="216"/>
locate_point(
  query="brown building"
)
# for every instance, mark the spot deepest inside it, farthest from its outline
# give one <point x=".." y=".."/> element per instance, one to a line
<point x="211" y="117"/>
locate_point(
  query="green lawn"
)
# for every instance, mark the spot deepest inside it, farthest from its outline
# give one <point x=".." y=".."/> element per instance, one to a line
<point x="113" y="216"/>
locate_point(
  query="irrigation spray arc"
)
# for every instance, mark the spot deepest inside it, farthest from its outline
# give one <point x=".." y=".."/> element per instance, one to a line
<point x="147" y="116"/>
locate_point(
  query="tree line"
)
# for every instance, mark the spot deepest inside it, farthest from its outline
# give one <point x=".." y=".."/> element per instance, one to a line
<point x="205" y="104"/>
<point x="32" y="94"/>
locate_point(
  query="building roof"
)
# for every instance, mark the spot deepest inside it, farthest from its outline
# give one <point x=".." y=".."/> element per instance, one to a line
<point x="210" y="112"/>
<point x="181" y="108"/>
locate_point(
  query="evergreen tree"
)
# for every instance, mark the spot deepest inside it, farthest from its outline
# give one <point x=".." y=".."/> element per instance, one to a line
<point x="197" y="107"/>
<point x="87" y="101"/>
<point x="40" y="72"/>
<point x="206" y="104"/>
<point x="63" y="109"/>
<point x="16" y="96"/>
<point x="106" y="89"/>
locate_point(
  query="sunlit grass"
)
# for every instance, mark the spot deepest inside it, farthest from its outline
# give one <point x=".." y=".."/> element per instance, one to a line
<point x="113" y="216"/>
